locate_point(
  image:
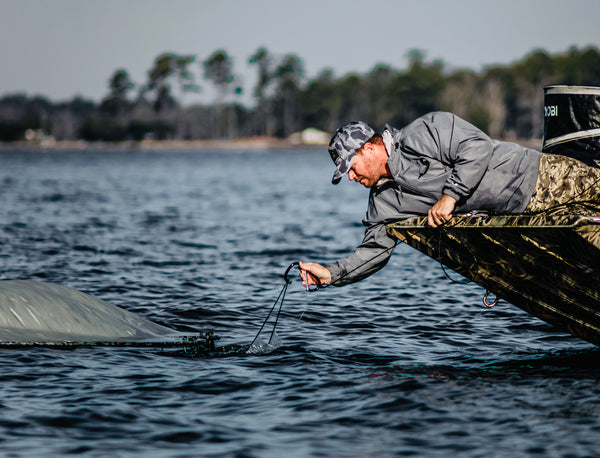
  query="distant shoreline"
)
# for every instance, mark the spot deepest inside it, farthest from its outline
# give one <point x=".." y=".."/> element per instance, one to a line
<point x="251" y="143"/>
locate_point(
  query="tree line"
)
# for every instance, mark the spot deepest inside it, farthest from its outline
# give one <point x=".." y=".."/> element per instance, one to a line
<point x="506" y="101"/>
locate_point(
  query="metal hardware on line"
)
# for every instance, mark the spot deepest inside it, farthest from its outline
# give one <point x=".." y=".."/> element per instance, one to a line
<point x="285" y="275"/>
<point x="486" y="303"/>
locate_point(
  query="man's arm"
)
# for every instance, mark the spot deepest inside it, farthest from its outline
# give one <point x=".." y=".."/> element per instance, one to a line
<point x="370" y="256"/>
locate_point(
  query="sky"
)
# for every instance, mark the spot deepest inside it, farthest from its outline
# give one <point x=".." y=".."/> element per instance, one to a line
<point x="65" y="48"/>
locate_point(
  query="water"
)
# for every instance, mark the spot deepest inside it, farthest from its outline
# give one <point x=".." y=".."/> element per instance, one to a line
<point x="404" y="363"/>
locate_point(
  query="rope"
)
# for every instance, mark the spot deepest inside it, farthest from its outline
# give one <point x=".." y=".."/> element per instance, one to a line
<point x="462" y="282"/>
<point x="281" y="297"/>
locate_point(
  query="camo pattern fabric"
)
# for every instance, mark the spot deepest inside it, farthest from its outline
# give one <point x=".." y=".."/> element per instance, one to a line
<point x="344" y="144"/>
<point x="564" y="181"/>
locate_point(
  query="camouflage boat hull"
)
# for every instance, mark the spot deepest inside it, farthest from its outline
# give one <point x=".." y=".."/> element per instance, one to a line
<point x="547" y="265"/>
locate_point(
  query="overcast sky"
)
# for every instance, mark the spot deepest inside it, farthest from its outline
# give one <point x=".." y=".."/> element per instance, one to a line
<point x="63" y="48"/>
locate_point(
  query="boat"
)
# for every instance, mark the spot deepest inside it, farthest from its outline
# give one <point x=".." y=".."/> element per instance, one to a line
<point x="546" y="264"/>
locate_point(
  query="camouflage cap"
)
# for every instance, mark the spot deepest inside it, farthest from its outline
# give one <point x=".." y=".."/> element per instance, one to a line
<point x="344" y="144"/>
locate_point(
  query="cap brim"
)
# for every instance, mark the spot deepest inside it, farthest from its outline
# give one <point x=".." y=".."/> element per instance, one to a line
<point x="342" y="169"/>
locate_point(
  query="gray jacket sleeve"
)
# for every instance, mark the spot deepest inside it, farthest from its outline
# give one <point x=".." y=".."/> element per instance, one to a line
<point x="377" y="246"/>
<point x="371" y="255"/>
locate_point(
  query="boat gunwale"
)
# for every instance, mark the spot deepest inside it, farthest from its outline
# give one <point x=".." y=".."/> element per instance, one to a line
<point x="483" y="221"/>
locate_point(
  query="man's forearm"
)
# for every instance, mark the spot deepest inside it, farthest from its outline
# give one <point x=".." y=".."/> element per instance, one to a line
<point x="372" y="255"/>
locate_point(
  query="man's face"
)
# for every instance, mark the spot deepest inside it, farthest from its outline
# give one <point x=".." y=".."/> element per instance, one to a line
<point x="365" y="169"/>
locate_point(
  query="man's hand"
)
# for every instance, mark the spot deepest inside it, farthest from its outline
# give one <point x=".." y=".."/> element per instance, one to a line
<point x="311" y="271"/>
<point x="441" y="211"/>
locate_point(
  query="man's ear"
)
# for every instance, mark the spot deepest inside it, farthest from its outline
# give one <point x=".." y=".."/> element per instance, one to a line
<point x="367" y="148"/>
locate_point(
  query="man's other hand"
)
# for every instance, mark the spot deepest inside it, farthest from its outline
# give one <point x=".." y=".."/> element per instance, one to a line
<point x="441" y="211"/>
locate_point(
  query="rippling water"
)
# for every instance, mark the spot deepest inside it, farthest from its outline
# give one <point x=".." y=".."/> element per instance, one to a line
<point x="408" y="362"/>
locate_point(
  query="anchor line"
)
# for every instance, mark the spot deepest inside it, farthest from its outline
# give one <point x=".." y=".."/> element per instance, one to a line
<point x="282" y="297"/>
<point x="279" y="301"/>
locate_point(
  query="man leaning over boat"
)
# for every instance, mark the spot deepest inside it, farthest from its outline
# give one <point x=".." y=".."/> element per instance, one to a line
<point x="437" y="165"/>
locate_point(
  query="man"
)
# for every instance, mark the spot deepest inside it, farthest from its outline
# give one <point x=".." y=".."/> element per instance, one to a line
<point x="436" y="165"/>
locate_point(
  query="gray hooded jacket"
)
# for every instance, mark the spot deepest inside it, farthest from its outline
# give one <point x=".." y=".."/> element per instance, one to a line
<point x="437" y="154"/>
